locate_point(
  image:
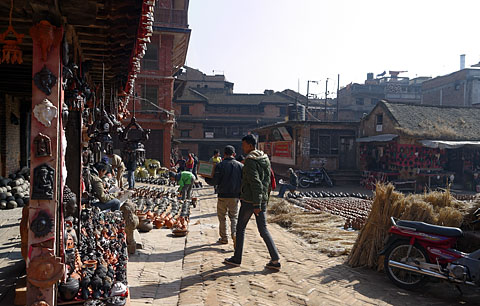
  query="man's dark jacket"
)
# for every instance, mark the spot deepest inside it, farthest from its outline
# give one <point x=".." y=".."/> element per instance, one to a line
<point x="228" y="178"/>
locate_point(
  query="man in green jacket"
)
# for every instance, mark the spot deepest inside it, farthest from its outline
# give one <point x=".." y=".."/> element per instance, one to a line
<point x="185" y="180"/>
<point x="255" y="192"/>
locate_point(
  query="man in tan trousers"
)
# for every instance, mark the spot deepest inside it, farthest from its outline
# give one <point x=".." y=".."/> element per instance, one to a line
<point x="118" y="168"/>
<point x="228" y="179"/>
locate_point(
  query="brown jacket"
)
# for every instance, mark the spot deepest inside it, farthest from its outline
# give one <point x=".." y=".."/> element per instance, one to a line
<point x="98" y="190"/>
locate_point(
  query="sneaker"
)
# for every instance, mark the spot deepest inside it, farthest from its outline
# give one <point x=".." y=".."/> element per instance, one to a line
<point x="222" y="241"/>
<point x="273" y="266"/>
<point x="231" y="261"/>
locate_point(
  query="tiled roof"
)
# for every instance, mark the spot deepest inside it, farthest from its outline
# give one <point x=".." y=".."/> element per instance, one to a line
<point x="221" y="97"/>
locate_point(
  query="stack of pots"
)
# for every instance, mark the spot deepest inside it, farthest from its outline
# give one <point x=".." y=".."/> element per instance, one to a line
<point x="14" y="191"/>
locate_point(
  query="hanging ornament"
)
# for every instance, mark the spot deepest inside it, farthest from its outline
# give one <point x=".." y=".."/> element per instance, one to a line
<point x="11" y="52"/>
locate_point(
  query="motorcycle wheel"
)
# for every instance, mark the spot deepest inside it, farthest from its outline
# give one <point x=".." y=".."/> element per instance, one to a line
<point x="303" y="182"/>
<point x="328" y="181"/>
<point x="400" y="277"/>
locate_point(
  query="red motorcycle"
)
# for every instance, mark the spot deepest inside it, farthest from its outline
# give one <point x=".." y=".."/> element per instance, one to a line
<point x="416" y="251"/>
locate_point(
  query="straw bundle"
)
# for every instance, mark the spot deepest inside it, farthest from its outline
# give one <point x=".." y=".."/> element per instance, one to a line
<point x="434" y="207"/>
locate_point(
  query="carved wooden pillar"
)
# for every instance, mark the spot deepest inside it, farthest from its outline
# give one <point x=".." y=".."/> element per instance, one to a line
<point x="44" y="268"/>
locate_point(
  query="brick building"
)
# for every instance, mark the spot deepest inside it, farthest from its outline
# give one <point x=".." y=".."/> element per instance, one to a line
<point x="164" y="57"/>
<point x="209" y="115"/>
<point x="14" y="127"/>
<point x="355" y="99"/>
<point x="460" y="88"/>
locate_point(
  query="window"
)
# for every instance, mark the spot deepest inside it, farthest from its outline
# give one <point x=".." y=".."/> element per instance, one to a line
<point x="373" y="101"/>
<point x="283" y="111"/>
<point x="185" y="133"/>
<point x="379" y="122"/>
<point x="359" y="101"/>
<point x="150" y="96"/>
<point x="319" y="144"/>
<point x="150" y="59"/>
<point x="185" y="110"/>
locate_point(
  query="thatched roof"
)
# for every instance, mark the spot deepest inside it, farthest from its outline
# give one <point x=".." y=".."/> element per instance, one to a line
<point x="435" y="122"/>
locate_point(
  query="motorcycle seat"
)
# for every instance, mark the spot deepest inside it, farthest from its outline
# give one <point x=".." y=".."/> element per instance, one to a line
<point x="432" y="229"/>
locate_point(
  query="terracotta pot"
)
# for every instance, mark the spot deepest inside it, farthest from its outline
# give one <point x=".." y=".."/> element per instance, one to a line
<point x="90" y="264"/>
<point x="150" y="215"/>
<point x="169" y="223"/>
<point x="159" y="222"/>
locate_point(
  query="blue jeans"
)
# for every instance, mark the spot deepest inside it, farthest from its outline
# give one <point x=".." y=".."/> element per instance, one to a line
<point x="246" y="211"/>
<point x="285" y="187"/>
<point x="113" y="205"/>
<point x="131" y="179"/>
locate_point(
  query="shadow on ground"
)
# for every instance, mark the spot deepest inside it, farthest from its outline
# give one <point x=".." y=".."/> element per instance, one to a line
<point x="376" y="285"/>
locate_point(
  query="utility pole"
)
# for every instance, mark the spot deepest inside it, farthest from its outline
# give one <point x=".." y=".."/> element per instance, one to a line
<point x="326" y="95"/>
<point x="338" y="90"/>
<point x="308" y="94"/>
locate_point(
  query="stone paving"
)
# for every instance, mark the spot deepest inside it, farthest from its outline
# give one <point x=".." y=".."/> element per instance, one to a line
<point x="12" y="265"/>
<point x="189" y="271"/>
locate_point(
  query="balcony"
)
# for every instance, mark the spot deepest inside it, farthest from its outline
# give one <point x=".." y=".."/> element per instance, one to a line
<point x="167" y="17"/>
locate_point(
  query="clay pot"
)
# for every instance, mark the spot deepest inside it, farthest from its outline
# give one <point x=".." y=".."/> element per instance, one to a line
<point x="159" y="222"/>
<point x="145" y="225"/>
<point x="150" y="215"/>
<point x="90" y="264"/>
<point x="169" y="223"/>
<point x="69" y="290"/>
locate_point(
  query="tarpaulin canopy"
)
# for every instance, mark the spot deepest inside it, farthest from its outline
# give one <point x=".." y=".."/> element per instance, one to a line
<point x="449" y="144"/>
<point x="377" y="138"/>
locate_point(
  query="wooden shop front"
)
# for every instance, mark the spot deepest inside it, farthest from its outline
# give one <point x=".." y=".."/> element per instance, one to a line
<point x="68" y="70"/>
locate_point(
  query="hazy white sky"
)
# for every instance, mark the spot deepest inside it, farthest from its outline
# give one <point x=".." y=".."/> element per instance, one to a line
<point x="271" y="44"/>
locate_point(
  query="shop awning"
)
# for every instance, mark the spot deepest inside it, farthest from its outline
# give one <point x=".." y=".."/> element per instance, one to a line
<point x="449" y="144"/>
<point x="377" y="138"/>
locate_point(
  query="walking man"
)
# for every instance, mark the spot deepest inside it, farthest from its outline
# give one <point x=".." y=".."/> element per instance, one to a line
<point x="254" y="198"/>
<point x="228" y="178"/>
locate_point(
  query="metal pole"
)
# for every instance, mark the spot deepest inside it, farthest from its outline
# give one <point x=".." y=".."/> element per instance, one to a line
<point x="308" y="90"/>
<point x="326" y="94"/>
<point x="338" y="90"/>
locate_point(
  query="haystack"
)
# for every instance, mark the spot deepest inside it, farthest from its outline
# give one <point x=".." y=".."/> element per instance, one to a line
<point x="435" y="207"/>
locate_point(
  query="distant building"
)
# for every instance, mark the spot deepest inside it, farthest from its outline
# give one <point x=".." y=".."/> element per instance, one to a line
<point x="210" y="116"/>
<point x="460" y="88"/>
<point x="164" y="57"/>
<point x="357" y="100"/>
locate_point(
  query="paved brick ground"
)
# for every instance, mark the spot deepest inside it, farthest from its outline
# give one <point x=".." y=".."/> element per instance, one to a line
<point x="11" y="261"/>
<point x="189" y="271"/>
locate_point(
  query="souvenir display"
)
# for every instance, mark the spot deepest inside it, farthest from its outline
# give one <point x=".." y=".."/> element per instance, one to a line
<point x="45" y="112"/>
<point x="43" y="182"/>
<point x="45" y="35"/>
<point x="43" y="146"/>
<point x="45" y="80"/>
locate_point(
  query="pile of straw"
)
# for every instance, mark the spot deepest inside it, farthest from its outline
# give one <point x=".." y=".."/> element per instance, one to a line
<point x="322" y="231"/>
<point x="439" y="208"/>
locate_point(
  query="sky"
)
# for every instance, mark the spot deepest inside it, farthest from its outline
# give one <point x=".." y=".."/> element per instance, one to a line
<point x="280" y="44"/>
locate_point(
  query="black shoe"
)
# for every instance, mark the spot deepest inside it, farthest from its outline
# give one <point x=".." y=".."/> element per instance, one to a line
<point x="273" y="266"/>
<point x="231" y="261"/>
